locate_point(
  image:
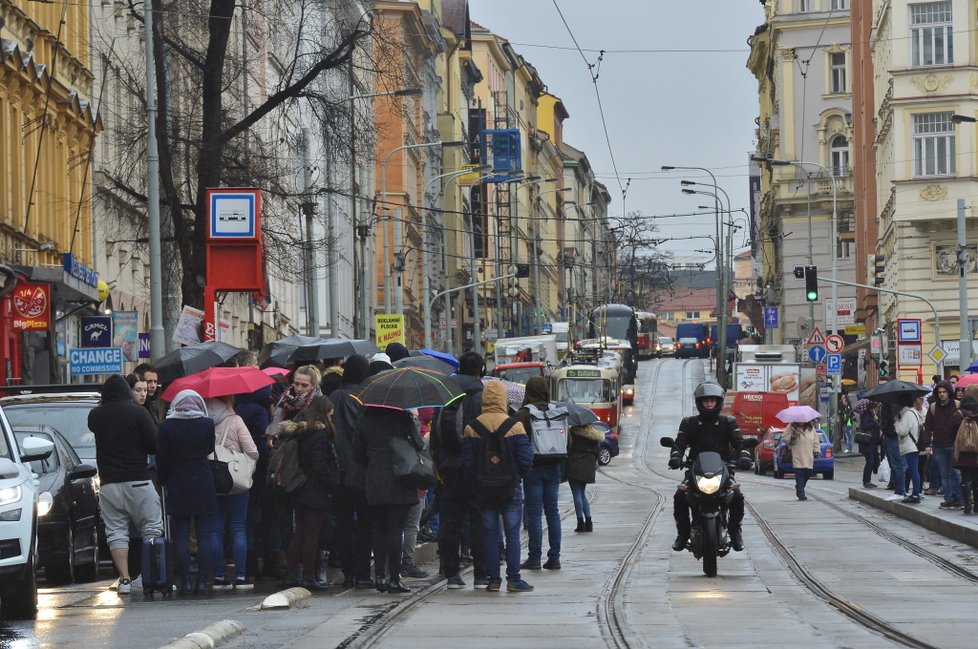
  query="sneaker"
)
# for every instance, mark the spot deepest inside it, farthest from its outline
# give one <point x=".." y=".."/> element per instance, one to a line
<point x="896" y="496"/>
<point x="493" y="586"/>
<point x="530" y="565"/>
<point x="943" y="505"/>
<point x="931" y="492"/>
<point x="125" y="586"/>
<point x="455" y="582"/>
<point x="518" y="586"/>
<point x="242" y="582"/>
<point x="869" y="485"/>
<point x="481" y="582"/>
<point x="412" y="570"/>
<point x="137" y="583"/>
<point x="552" y="564"/>
<point x="911" y="500"/>
<point x="220" y="582"/>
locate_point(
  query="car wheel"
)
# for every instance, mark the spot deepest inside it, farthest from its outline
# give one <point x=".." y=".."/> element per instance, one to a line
<point x="63" y="572"/>
<point x="89" y="572"/>
<point x="828" y="475"/>
<point x="604" y="456"/>
<point x="21" y="604"/>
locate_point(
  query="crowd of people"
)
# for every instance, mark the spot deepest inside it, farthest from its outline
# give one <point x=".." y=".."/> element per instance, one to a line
<point x="349" y="510"/>
<point x="918" y="439"/>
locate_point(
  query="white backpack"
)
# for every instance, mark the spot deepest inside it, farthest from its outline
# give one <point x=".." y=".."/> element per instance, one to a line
<point x="549" y="434"/>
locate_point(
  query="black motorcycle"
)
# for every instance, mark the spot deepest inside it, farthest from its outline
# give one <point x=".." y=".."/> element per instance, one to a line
<point x="709" y="488"/>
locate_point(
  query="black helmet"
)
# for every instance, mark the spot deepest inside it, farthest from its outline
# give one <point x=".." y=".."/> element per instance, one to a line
<point x="706" y="390"/>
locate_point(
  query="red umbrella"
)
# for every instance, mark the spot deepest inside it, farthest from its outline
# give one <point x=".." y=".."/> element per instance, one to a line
<point x="220" y="382"/>
<point x="275" y="371"/>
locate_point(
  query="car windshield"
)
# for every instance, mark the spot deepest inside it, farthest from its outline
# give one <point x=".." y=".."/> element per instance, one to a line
<point x="49" y="464"/>
<point x="665" y="340"/>
<point x="584" y="391"/>
<point x="5" y="448"/>
<point x="71" y="420"/>
<point x="519" y="374"/>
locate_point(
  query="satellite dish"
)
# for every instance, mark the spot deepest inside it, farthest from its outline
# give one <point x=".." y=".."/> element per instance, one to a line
<point x="802" y="323"/>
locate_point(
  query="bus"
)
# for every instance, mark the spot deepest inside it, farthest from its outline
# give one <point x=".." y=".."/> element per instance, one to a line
<point x="592" y="384"/>
<point x="614" y="321"/>
<point x="647" y="339"/>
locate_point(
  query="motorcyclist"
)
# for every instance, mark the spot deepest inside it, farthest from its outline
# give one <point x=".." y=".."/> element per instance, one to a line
<point x="707" y="431"/>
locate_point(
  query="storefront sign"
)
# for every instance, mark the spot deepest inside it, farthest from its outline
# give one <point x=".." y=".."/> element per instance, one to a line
<point x="31" y="307"/>
<point x="77" y="269"/>
<point x="96" y="331"/>
<point x="107" y="360"/>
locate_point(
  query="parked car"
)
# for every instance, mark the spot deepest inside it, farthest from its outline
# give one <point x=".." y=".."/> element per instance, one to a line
<point x="66" y="412"/>
<point x="667" y="347"/>
<point x="68" y="511"/>
<point x="609" y="447"/>
<point x="825" y="465"/>
<point x="19" y="499"/>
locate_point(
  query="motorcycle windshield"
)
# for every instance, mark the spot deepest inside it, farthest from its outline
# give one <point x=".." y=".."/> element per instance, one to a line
<point x="709" y="463"/>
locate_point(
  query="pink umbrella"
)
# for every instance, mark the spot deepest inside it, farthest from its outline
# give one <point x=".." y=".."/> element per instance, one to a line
<point x="798" y="414"/>
<point x="275" y="371"/>
<point x="966" y="380"/>
<point x="220" y="382"/>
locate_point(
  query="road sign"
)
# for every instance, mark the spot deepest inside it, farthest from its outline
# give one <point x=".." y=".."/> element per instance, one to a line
<point x="833" y="363"/>
<point x="937" y="354"/>
<point x="834" y="343"/>
<point x="816" y="338"/>
<point x="908" y="330"/>
<point x="816" y="353"/>
<point x="771" y="317"/>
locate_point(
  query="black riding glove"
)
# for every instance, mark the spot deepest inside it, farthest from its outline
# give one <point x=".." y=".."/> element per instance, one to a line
<point x="674" y="462"/>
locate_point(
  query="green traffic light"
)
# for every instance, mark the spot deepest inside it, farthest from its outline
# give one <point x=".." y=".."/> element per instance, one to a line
<point x="812" y="296"/>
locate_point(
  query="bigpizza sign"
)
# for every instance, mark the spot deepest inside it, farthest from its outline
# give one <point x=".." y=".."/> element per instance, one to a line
<point x="31" y="307"/>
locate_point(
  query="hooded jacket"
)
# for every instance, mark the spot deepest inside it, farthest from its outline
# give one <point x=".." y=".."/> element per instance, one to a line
<point x="124" y="434"/>
<point x="253" y="408"/>
<point x="942" y="420"/>
<point x="582" y="455"/>
<point x="494" y="413"/>
<point x="537" y="394"/>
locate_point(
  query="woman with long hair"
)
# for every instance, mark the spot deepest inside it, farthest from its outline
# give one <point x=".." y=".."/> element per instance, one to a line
<point x="802" y="438"/>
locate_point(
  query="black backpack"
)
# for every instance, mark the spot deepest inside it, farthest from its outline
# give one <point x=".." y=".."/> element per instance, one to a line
<point x="495" y="467"/>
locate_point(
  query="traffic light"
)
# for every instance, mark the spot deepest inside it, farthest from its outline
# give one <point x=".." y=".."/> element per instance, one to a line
<point x="811" y="283"/>
<point x="522" y="270"/>
<point x="884" y="372"/>
<point x="878" y="263"/>
<point x="799" y="272"/>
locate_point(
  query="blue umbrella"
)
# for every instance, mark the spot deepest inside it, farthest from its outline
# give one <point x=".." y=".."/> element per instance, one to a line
<point x="973" y="367"/>
<point x="442" y="356"/>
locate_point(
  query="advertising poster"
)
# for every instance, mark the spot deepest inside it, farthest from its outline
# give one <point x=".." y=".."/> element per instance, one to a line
<point x="31" y="307"/>
<point x="96" y="331"/>
<point x="389" y="328"/>
<point x="125" y="333"/>
<point x="189" y="326"/>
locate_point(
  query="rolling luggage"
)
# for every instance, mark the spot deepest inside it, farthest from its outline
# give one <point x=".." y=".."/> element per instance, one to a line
<point x="158" y="566"/>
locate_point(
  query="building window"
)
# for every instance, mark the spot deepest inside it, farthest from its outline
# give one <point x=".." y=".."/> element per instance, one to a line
<point x="838" y="5"/>
<point x="837" y="63"/>
<point x="933" y="144"/>
<point x="840" y="156"/>
<point x="931" y="38"/>
<point x="843" y="248"/>
<point x="804" y="6"/>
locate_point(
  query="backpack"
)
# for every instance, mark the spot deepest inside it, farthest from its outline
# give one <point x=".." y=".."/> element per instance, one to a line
<point x="549" y="431"/>
<point x="495" y="467"/>
<point x="285" y="475"/>
<point x="966" y="441"/>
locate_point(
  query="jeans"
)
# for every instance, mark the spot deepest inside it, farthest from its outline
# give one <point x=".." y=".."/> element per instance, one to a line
<point x="581" y="506"/>
<point x="231" y="511"/>
<point x="848" y="437"/>
<point x="510" y="513"/>
<point x="801" y="479"/>
<point x="950" y="477"/>
<point x="180" y="528"/>
<point x="912" y="461"/>
<point x="458" y="502"/>
<point x="540" y="488"/>
<point x="898" y="468"/>
<point x="410" y="538"/>
<point x="872" y="454"/>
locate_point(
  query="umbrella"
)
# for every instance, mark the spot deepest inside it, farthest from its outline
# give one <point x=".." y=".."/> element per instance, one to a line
<point x="798" y="414"/>
<point x="515" y="392"/>
<point x="220" y="382"/>
<point x="407" y="388"/>
<point x="577" y="415"/>
<point x="192" y="359"/>
<point x="276" y="354"/>
<point x="332" y="348"/>
<point x="966" y="380"/>
<point x="426" y="363"/>
<point x="862" y="405"/>
<point x="442" y="356"/>
<point x="275" y="371"/>
<point x="890" y="392"/>
<point x="973" y="367"/>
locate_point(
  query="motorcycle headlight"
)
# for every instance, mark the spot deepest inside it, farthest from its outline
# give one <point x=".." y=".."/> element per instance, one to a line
<point x="44" y="503"/>
<point x="708" y="485"/>
<point x="10" y="495"/>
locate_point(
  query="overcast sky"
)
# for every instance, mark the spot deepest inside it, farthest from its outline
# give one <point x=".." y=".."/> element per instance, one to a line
<point x="674" y="87"/>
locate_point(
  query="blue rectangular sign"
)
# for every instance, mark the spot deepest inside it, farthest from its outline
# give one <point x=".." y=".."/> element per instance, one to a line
<point x="833" y="364"/>
<point x="96" y="331"/>
<point x="771" y="317"/>
<point x="104" y="360"/>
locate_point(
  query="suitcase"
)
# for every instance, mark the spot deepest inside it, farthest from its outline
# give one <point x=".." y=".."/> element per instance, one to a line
<point x="158" y="561"/>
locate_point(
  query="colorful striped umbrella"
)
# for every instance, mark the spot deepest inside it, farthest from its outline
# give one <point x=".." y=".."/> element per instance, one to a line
<point x="407" y="388"/>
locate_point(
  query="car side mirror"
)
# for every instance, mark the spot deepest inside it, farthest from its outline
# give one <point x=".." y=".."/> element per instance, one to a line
<point x="35" y="448"/>
<point x="82" y="472"/>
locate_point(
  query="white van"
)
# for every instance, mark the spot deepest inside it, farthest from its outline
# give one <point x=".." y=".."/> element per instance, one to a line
<point x="18" y="523"/>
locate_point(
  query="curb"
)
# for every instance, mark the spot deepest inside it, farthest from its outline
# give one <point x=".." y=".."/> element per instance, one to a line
<point x="284" y="598"/>
<point x="965" y="532"/>
<point x="208" y="637"/>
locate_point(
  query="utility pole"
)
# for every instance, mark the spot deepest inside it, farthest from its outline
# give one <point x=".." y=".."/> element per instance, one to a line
<point x="157" y="340"/>
<point x="312" y="297"/>
<point x="964" y="354"/>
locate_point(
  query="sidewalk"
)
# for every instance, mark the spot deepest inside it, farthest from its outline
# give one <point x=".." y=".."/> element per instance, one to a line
<point x="951" y="523"/>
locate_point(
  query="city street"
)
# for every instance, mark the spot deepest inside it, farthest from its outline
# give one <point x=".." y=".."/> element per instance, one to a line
<point x="833" y="571"/>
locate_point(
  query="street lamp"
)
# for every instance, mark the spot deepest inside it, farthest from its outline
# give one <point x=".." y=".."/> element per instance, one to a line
<point x="964" y="353"/>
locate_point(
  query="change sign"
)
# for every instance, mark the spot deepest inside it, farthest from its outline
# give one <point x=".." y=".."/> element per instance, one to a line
<point x="104" y="360"/>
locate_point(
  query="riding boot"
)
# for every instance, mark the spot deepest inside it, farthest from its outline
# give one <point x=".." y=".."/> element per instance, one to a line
<point x="588" y="526"/>
<point x="736" y="539"/>
<point x="967" y="497"/>
<point x="682" y="536"/>
<point x="580" y="525"/>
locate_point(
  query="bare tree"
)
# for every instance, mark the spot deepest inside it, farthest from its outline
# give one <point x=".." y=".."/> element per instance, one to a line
<point x="642" y="267"/>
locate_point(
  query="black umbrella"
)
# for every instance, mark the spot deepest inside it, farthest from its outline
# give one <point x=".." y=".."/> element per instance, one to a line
<point x="426" y="362"/>
<point x="322" y="348"/>
<point x="193" y="359"/>
<point x="889" y="392"/>
<point x="407" y="388"/>
<point x="276" y="354"/>
<point x="577" y="415"/>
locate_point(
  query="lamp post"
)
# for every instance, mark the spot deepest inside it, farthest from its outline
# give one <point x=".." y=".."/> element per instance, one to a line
<point x="157" y="340"/>
<point x="964" y="354"/>
<point x="397" y="220"/>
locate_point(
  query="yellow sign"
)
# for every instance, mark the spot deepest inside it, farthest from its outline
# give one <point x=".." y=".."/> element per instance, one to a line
<point x="389" y="328"/>
<point x="469" y="178"/>
<point x="856" y="330"/>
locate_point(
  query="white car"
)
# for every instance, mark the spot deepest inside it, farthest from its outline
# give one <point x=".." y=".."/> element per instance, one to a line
<point x="18" y="523"/>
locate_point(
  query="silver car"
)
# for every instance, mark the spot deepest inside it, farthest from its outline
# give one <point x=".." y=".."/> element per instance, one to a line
<point x="667" y="346"/>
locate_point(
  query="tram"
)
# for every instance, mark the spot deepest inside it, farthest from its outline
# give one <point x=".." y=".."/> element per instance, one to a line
<point x="614" y="321"/>
<point x="591" y="381"/>
<point x="647" y="340"/>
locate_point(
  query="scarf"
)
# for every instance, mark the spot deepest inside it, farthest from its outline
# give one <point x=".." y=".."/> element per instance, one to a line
<point x="187" y="405"/>
<point x="292" y="404"/>
<point x="218" y="410"/>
